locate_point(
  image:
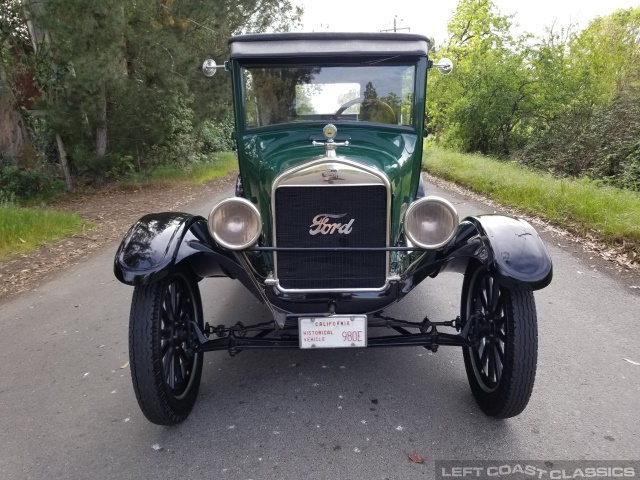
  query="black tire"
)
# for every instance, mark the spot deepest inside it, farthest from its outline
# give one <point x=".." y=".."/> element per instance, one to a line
<point x="506" y="334"/>
<point x="165" y="372"/>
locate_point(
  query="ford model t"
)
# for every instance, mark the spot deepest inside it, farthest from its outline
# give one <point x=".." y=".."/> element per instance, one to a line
<point x="328" y="226"/>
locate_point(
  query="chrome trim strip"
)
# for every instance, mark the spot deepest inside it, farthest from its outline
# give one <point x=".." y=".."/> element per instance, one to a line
<point x="309" y="173"/>
<point x="358" y="175"/>
<point x="330" y="290"/>
<point x="332" y="185"/>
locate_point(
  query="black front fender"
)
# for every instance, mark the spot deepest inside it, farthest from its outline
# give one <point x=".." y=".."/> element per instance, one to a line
<point x="509" y="247"/>
<point x="159" y="242"/>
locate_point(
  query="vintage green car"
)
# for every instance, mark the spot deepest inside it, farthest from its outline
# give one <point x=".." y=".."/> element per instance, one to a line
<point x="328" y="226"/>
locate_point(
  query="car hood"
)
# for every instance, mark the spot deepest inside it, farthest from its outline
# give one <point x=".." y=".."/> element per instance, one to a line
<point x="264" y="156"/>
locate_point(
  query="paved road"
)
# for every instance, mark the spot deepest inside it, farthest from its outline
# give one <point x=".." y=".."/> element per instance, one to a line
<point x="67" y="409"/>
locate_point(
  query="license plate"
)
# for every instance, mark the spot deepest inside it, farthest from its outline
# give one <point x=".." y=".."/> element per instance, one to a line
<point x="338" y="331"/>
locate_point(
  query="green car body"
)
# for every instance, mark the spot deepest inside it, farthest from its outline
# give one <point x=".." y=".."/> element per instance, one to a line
<point x="264" y="153"/>
<point x="271" y="145"/>
<point x="329" y="225"/>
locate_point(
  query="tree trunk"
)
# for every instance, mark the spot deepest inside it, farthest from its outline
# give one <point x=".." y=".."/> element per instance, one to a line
<point x="101" y="129"/>
<point x="63" y="162"/>
<point x="37" y="35"/>
<point x="506" y="132"/>
<point x="12" y="130"/>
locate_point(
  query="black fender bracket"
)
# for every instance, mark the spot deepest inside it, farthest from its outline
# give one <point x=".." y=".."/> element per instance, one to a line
<point x="509" y="247"/>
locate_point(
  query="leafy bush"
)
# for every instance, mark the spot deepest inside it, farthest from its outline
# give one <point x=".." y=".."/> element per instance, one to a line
<point x="7" y="199"/>
<point x="566" y="103"/>
<point x="122" y="167"/>
<point x="629" y="177"/>
<point x="217" y="136"/>
<point x="95" y="170"/>
<point x="606" y="148"/>
<point x="20" y="183"/>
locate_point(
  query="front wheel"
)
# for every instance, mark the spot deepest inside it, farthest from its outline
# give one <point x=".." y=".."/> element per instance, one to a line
<point x="501" y="363"/>
<point x="164" y="368"/>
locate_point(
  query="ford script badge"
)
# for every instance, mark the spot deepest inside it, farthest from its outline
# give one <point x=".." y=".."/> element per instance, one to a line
<point x="322" y="226"/>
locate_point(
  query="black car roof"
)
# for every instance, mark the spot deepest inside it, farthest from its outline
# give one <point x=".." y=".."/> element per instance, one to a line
<point x="294" y="44"/>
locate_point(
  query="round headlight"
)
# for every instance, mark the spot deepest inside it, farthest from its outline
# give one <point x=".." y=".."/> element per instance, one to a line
<point x="235" y="223"/>
<point x="430" y="222"/>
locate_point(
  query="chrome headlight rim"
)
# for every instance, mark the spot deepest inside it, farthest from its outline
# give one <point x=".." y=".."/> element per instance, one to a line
<point x="431" y="199"/>
<point x="217" y="238"/>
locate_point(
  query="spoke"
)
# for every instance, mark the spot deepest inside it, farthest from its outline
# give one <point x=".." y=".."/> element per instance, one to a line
<point x="490" y="364"/>
<point x="165" y="359"/>
<point x="184" y="363"/>
<point x="177" y="371"/>
<point x="499" y="310"/>
<point x="483" y="301"/>
<point x="164" y="317"/>
<point x="501" y="336"/>
<point x="498" y="363"/>
<point x="183" y="356"/>
<point x="173" y="289"/>
<point x="188" y="308"/>
<point x="489" y="290"/>
<point x="179" y="299"/>
<point x="483" y="356"/>
<point x="165" y="349"/>
<point x="167" y="310"/>
<point x="170" y="372"/>
<point x="495" y="296"/>
<point x="185" y="314"/>
<point x="500" y="351"/>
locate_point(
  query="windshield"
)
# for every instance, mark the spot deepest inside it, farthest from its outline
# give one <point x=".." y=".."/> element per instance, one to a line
<point x="368" y="93"/>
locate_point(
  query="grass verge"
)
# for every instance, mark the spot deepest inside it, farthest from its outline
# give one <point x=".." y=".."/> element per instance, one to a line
<point x="23" y="229"/>
<point x="217" y="165"/>
<point x="607" y="213"/>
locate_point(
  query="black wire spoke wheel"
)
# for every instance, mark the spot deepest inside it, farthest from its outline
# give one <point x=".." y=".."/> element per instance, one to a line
<point x="165" y="369"/>
<point x="501" y="361"/>
<point x="178" y="361"/>
<point x="487" y="357"/>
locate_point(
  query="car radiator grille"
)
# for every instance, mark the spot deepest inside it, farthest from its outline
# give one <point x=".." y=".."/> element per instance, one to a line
<point x="295" y="209"/>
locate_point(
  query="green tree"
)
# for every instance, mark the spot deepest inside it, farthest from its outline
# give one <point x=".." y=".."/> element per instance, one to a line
<point x="122" y="79"/>
<point x="587" y="95"/>
<point x="484" y="104"/>
<point x="14" y="45"/>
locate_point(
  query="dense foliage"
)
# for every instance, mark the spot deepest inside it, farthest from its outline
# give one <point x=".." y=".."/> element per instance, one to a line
<point x="119" y="82"/>
<point x="120" y="88"/>
<point x="567" y="103"/>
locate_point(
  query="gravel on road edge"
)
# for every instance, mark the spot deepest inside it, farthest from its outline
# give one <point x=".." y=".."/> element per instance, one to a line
<point x="113" y="212"/>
